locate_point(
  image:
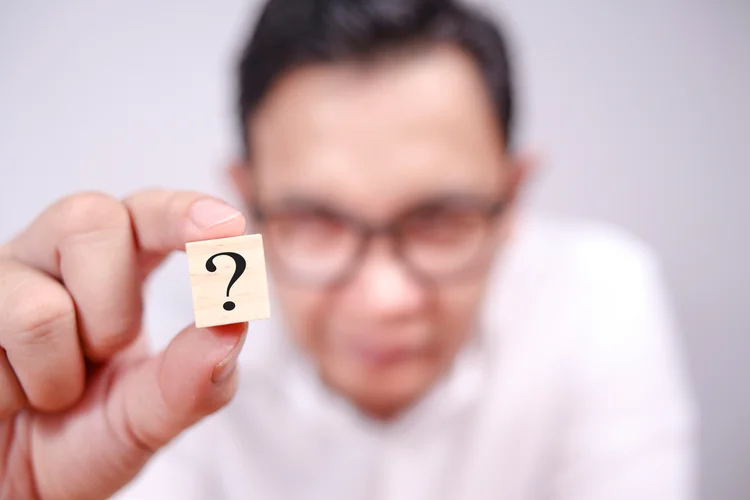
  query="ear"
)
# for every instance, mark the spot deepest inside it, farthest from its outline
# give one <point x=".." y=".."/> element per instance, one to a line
<point x="522" y="167"/>
<point x="238" y="175"/>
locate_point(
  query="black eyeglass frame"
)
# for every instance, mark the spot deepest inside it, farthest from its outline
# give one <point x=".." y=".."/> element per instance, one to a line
<point x="393" y="230"/>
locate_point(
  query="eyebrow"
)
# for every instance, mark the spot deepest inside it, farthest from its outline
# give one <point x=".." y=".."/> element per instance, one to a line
<point x="454" y="198"/>
<point x="307" y="203"/>
<point x="298" y="202"/>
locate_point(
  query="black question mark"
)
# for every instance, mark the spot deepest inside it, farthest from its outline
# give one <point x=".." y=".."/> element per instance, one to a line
<point x="240" y="265"/>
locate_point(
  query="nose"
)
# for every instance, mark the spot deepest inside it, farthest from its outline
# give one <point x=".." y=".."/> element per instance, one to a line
<point x="384" y="286"/>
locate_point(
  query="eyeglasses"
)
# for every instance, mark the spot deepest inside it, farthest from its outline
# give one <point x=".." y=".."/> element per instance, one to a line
<point x="315" y="245"/>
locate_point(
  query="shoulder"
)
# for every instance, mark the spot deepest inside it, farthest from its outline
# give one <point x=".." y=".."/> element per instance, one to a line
<point x="574" y="267"/>
<point x="597" y="288"/>
<point x="568" y="246"/>
<point x="607" y="291"/>
<point x="581" y="266"/>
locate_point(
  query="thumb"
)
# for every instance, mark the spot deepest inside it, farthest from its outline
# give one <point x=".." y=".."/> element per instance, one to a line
<point x="191" y="379"/>
<point x="147" y="402"/>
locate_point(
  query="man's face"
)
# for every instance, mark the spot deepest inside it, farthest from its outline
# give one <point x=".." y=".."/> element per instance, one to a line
<point x="372" y="142"/>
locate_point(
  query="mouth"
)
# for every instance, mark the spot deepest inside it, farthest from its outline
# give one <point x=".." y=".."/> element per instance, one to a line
<point x="378" y="355"/>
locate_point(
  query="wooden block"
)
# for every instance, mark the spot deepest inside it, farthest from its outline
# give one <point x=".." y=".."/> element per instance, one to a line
<point x="228" y="278"/>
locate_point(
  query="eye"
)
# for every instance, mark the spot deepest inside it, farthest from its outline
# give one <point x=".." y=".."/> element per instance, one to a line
<point x="311" y="244"/>
<point x="443" y="225"/>
<point x="306" y="228"/>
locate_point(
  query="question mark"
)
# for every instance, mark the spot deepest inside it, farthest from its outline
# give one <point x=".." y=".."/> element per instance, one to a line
<point x="240" y="265"/>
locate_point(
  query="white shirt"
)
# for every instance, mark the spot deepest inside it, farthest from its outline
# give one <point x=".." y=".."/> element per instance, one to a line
<point x="573" y="389"/>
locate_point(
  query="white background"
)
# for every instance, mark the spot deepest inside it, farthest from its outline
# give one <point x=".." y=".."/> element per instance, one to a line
<point x="640" y="107"/>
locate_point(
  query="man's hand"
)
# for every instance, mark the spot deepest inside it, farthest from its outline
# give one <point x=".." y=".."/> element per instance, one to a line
<point x="82" y="404"/>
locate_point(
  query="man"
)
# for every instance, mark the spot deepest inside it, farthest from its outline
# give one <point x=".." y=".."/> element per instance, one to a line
<point x="429" y="340"/>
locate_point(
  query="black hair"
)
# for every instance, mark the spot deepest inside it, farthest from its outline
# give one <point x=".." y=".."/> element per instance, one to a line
<point x="294" y="33"/>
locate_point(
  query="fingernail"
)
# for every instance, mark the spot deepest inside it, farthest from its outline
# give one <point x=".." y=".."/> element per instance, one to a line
<point x="207" y="213"/>
<point x="224" y="369"/>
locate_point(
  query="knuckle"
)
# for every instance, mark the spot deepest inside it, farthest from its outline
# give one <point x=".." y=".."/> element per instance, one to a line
<point x="178" y="203"/>
<point x="36" y="315"/>
<point x="92" y="211"/>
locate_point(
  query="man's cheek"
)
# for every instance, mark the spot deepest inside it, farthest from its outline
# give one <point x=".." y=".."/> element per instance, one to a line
<point x="301" y="305"/>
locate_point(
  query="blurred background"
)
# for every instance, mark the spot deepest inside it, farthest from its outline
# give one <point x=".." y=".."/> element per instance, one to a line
<point x="641" y="110"/>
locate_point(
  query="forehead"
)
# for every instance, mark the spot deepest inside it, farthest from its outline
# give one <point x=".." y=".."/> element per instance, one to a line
<point x="383" y="133"/>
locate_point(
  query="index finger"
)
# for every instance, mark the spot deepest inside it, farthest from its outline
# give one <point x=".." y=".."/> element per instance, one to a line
<point x="161" y="221"/>
<point x="164" y="221"/>
<point x="101" y="249"/>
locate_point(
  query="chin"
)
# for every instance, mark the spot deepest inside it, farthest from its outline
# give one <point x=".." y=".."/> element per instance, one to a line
<point x="385" y="393"/>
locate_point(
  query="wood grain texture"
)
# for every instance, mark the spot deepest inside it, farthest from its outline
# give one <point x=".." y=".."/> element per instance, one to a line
<point x="211" y="274"/>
